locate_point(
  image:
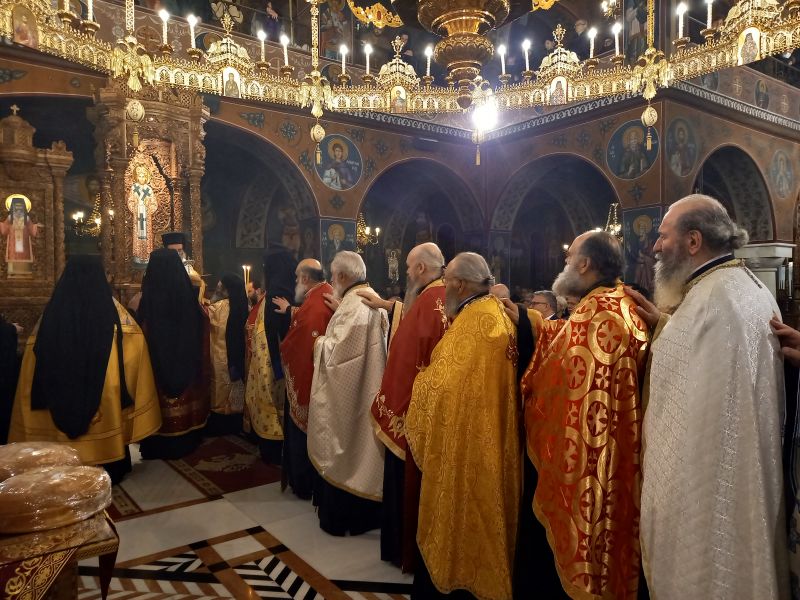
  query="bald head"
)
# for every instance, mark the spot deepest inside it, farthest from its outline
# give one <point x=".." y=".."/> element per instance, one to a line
<point x="500" y="290"/>
<point x="706" y="224"/>
<point x="425" y="263"/>
<point x="307" y="274"/>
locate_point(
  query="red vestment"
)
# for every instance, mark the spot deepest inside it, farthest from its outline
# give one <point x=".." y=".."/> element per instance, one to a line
<point x="583" y="421"/>
<point x="409" y="351"/>
<point x="297" y="350"/>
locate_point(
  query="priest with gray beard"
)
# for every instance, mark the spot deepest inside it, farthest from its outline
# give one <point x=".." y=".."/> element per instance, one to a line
<point x="348" y="366"/>
<point x="712" y="518"/>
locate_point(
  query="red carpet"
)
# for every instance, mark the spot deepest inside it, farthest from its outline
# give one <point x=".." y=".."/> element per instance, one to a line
<point x="226" y="464"/>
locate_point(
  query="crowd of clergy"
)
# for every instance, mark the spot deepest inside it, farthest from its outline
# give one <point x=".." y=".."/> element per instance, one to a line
<point x="616" y="449"/>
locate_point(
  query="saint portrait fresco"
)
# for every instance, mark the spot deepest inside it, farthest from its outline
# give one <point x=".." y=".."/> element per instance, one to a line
<point x="681" y="148"/>
<point x="627" y="154"/>
<point x="640" y="231"/>
<point x="19" y="230"/>
<point x="24" y="26"/>
<point x="781" y="174"/>
<point x="340" y="165"/>
<point x="336" y="236"/>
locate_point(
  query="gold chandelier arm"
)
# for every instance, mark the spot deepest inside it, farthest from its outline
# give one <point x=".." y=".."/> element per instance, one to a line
<point x="314" y="34"/>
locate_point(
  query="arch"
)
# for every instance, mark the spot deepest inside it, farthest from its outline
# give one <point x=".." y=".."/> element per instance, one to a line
<point x="531" y="174"/>
<point x="430" y="177"/>
<point x="729" y="174"/>
<point x="544" y="205"/>
<point x="257" y="195"/>
<point x="414" y="201"/>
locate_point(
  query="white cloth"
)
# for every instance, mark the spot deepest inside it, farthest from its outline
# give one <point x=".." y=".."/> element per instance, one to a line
<point x="348" y="366"/>
<point x="712" y="519"/>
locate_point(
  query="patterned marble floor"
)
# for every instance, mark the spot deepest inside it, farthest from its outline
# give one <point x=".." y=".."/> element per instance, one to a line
<point x="184" y="536"/>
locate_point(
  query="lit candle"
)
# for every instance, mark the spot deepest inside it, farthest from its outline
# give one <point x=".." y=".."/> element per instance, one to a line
<point x="377" y="231"/>
<point x="709" y="4"/>
<point x="90" y="10"/>
<point x="367" y="229"/>
<point x="681" y="10"/>
<point x="428" y="54"/>
<point x="526" y="46"/>
<point x="592" y="35"/>
<point x="261" y="37"/>
<point x="192" y="22"/>
<point x="111" y="212"/>
<point x="604" y="6"/>
<point x="616" y="29"/>
<point x="501" y="50"/>
<point x="343" y="52"/>
<point x="285" y="44"/>
<point x="164" y="18"/>
<point x="367" y="51"/>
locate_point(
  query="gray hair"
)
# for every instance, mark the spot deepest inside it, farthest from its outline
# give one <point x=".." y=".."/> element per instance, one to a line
<point x="605" y="254"/>
<point x="472" y="268"/>
<point x="350" y="264"/>
<point x="312" y="273"/>
<point x="430" y="255"/>
<point x="709" y="217"/>
<point x="549" y="297"/>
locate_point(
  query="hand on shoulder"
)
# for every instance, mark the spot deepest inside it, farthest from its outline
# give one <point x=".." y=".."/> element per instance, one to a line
<point x="512" y="310"/>
<point x="331" y="301"/>
<point x="647" y="310"/>
<point x="789" y="339"/>
<point x="374" y="301"/>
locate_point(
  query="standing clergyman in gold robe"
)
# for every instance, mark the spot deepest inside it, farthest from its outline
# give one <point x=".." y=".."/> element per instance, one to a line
<point x="86" y="378"/>
<point x="463" y="430"/>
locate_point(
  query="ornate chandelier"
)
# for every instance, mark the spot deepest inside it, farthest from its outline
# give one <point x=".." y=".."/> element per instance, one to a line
<point x="365" y="236"/>
<point x="752" y="30"/>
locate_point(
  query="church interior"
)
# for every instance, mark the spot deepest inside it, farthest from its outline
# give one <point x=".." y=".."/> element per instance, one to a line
<point x="317" y="127"/>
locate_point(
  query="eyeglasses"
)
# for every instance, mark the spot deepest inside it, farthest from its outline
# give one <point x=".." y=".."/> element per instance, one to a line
<point x="540" y="302"/>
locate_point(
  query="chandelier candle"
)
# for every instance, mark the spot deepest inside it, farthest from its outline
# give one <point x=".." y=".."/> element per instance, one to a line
<point x="681" y="10"/>
<point x="592" y="35"/>
<point x="285" y="44"/>
<point x="616" y="29"/>
<point x="501" y="50"/>
<point x="164" y="20"/>
<point x="367" y="51"/>
<point x="710" y="5"/>
<point x="428" y="54"/>
<point x="261" y="37"/>
<point x="192" y="22"/>
<point x="343" y="52"/>
<point x="526" y="46"/>
<point x="90" y="11"/>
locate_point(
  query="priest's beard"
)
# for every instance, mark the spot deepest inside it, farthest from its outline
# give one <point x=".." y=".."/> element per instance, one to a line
<point x="299" y="293"/>
<point x="568" y="283"/>
<point x="412" y="291"/>
<point x="451" y="302"/>
<point x="672" y="272"/>
<point x="338" y="290"/>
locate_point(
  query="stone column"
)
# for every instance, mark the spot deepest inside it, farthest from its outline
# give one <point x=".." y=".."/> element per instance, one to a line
<point x="764" y="260"/>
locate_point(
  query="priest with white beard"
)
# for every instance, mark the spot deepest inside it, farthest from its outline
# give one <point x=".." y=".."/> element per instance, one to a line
<point x="712" y="522"/>
<point x="348" y="366"/>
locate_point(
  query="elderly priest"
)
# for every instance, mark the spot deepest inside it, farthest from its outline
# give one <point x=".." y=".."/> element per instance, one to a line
<point x="348" y="365"/>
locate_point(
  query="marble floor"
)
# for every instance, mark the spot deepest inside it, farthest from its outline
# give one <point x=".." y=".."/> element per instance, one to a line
<point x="183" y="536"/>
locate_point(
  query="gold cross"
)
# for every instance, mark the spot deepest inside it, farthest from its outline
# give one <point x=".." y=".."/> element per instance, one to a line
<point x="14" y="109"/>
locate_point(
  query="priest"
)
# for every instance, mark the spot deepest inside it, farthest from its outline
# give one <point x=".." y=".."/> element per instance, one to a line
<point x="583" y="418"/>
<point x="176" y="329"/>
<point x="421" y="325"/>
<point x="228" y="317"/>
<point x="265" y="394"/>
<point x="463" y="430"/>
<point x="308" y="322"/>
<point x="86" y="378"/>
<point x="348" y="365"/>
<point x="712" y="508"/>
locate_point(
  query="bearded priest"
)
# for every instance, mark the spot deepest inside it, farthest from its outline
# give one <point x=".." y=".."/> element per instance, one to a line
<point x="463" y="430"/>
<point x="348" y="365"/>
<point x="421" y="325"/>
<point x="712" y="513"/>
<point x="583" y="420"/>
<point x="308" y="322"/>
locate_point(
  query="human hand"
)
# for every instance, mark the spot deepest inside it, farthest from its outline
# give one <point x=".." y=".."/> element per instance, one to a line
<point x="789" y="339"/>
<point x="512" y="310"/>
<point x="374" y="301"/>
<point x="18" y="327"/>
<point x="331" y="301"/>
<point x="647" y="310"/>
<point x="282" y="304"/>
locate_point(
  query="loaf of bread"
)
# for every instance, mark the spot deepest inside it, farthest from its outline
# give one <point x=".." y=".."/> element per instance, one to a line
<point x="23" y="456"/>
<point x="52" y="497"/>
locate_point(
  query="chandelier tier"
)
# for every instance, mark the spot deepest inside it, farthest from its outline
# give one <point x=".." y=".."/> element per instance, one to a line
<point x="752" y="30"/>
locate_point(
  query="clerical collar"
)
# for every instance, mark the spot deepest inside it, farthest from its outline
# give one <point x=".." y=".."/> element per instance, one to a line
<point x="435" y="283"/>
<point x="355" y="285"/>
<point x="313" y="288"/>
<point x="463" y="305"/>
<point x="608" y="283"/>
<point x="708" y="265"/>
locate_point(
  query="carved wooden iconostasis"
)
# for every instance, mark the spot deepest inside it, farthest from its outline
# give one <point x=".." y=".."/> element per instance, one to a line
<point x="31" y="219"/>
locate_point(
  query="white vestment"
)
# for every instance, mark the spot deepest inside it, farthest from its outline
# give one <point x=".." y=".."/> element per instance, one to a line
<point x="712" y="519"/>
<point x="348" y="367"/>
